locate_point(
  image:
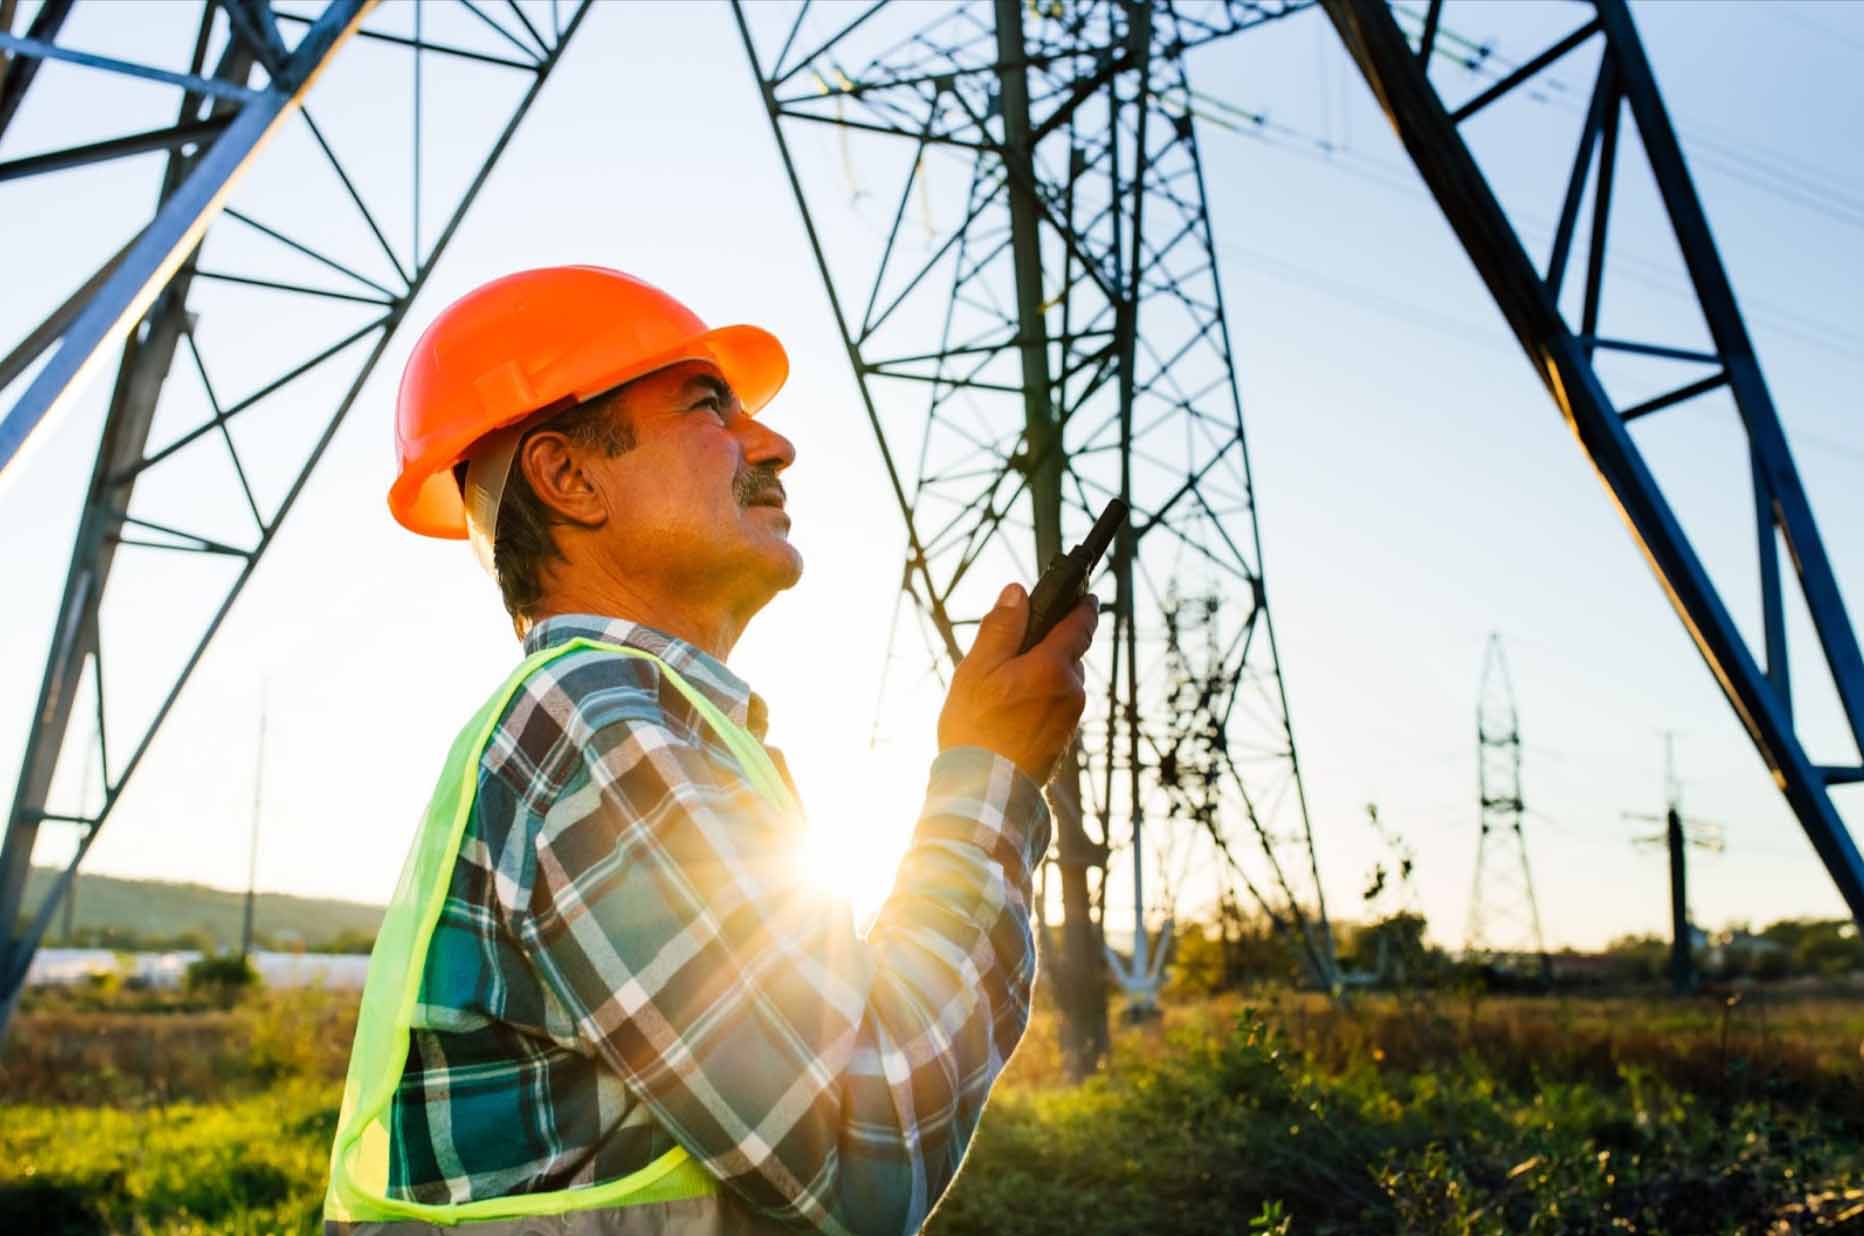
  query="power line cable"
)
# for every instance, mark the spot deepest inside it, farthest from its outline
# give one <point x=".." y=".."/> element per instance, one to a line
<point x="1257" y="124"/>
<point x="1364" y="297"/>
<point x="1545" y="85"/>
<point x="1809" y="185"/>
<point x="1820" y="28"/>
<point x="1831" y="445"/>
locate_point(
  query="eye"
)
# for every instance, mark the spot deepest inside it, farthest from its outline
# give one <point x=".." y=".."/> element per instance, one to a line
<point x="710" y="403"/>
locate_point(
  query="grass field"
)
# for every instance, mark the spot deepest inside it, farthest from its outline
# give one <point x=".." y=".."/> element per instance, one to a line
<point x="1276" y="1114"/>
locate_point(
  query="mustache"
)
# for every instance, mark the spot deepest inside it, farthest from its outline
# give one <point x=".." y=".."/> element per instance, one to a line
<point x="757" y="484"/>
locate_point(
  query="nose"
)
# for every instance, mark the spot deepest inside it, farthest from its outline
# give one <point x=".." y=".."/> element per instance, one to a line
<point x="765" y="446"/>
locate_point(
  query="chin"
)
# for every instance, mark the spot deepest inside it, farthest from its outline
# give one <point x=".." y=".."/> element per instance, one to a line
<point x="789" y="571"/>
<point x="778" y="561"/>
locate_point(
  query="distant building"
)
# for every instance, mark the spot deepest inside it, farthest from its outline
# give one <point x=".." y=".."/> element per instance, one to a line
<point x="1583" y="969"/>
<point x="67" y="967"/>
<point x="1742" y="950"/>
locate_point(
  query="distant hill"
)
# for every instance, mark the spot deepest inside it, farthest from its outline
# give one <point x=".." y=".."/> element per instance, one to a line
<point x="156" y="909"/>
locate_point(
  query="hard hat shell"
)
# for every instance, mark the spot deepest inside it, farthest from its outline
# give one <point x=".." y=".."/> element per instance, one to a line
<point x="540" y="338"/>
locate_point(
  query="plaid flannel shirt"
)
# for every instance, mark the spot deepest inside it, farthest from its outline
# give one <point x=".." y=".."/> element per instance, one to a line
<point x="631" y="956"/>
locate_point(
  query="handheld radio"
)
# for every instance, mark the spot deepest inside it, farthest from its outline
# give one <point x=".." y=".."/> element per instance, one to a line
<point x="1064" y="582"/>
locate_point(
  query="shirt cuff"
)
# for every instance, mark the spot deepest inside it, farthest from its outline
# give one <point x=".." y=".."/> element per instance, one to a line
<point x="975" y="795"/>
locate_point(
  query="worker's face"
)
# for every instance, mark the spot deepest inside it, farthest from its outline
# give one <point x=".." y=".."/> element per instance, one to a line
<point x="696" y="505"/>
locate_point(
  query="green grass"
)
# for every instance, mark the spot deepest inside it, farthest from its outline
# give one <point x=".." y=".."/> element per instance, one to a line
<point x="1451" y="1118"/>
<point x="253" y="1165"/>
<point x="1224" y="1124"/>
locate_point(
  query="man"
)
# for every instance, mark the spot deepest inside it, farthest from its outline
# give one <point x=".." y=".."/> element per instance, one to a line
<point x="606" y="997"/>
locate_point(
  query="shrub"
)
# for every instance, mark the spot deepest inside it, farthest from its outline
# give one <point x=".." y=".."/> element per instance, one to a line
<point x="226" y="977"/>
<point x="304" y="1032"/>
<point x="103" y="984"/>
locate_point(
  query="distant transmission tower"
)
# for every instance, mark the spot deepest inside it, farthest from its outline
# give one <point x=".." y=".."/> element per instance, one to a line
<point x="1504" y="918"/>
<point x="1026" y="284"/>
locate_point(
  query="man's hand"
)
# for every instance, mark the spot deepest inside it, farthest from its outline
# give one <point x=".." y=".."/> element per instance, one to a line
<point x="1023" y="707"/>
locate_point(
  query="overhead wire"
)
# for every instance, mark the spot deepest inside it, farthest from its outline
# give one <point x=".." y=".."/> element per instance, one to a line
<point x="1362" y="296"/>
<point x="1832" y="445"/>
<point x="1639" y="268"/>
<point x="1415" y="314"/>
<point x="1258" y="124"/>
<point x="1820" y="28"/>
<point x="1274" y="133"/>
<point x="1801" y="188"/>
<point x="1805" y="186"/>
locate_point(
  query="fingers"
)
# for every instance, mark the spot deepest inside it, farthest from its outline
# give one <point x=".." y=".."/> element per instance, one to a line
<point x="1022" y="707"/>
<point x="1074" y="634"/>
<point x="1064" y="649"/>
<point x="1000" y="633"/>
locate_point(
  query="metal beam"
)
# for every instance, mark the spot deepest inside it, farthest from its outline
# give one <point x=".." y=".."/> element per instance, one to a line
<point x="39" y="49"/>
<point x="1715" y="293"/>
<point x="177" y="228"/>
<point x="1082" y="989"/>
<point x="146" y="358"/>
<point x="20" y="69"/>
<point x="47" y="332"/>
<point x="170" y="138"/>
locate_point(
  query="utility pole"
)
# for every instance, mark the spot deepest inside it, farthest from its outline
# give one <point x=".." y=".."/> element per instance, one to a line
<point x="252" y="848"/>
<point x="1677" y="836"/>
<point x="1504" y="917"/>
<point x="69" y="908"/>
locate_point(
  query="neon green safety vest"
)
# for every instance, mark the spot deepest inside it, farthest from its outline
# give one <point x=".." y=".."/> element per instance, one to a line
<point x="357" y="1200"/>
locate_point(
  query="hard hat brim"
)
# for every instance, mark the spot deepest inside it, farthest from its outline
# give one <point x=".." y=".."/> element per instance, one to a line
<point x="751" y="358"/>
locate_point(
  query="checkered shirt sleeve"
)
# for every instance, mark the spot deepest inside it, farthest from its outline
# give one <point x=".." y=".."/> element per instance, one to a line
<point x="830" y="1080"/>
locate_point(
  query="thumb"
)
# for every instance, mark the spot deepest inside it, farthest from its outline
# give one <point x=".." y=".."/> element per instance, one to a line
<point x="1000" y="634"/>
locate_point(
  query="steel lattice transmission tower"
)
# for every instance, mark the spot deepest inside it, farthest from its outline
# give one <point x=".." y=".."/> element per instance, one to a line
<point x="320" y="217"/>
<point x="1031" y="306"/>
<point x="1504" y="918"/>
<point x="1608" y="376"/>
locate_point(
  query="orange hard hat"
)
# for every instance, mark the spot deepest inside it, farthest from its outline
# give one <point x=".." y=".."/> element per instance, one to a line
<point x="543" y="339"/>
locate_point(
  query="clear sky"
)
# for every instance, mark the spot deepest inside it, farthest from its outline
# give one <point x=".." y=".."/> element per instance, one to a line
<point x="1416" y="488"/>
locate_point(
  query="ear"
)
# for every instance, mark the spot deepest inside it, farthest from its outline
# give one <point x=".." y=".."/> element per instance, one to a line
<point x="553" y="465"/>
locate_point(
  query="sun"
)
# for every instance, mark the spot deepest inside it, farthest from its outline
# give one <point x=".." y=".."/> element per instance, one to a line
<point x="859" y="824"/>
<point x="852" y="857"/>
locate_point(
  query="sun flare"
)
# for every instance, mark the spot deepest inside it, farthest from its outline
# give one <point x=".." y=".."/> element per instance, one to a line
<point x="859" y="823"/>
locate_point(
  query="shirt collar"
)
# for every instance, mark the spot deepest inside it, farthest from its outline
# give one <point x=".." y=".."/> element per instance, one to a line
<point x="707" y="673"/>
